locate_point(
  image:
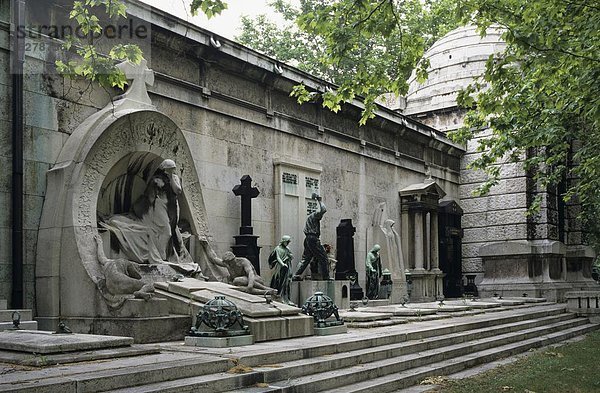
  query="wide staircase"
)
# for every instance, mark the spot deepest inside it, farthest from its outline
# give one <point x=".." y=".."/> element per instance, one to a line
<point x="381" y="359"/>
<point x="6" y="318"/>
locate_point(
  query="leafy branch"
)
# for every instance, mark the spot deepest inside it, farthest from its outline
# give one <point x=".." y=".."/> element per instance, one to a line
<point x="88" y="62"/>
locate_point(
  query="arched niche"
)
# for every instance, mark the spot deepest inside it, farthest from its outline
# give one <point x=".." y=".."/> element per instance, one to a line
<point x="67" y="268"/>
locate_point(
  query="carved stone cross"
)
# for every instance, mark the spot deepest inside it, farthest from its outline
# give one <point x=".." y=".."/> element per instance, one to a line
<point x="247" y="192"/>
<point x="140" y="76"/>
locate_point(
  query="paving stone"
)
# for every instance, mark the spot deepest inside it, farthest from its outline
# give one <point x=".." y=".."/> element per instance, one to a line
<point x="36" y="360"/>
<point x="42" y="342"/>
<point x="219" y="342"/>
<point x="330" y="330"/>
<point x="364" y="316"/>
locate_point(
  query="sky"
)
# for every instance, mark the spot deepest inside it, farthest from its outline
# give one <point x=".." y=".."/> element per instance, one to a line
<point x="227" y="24"/>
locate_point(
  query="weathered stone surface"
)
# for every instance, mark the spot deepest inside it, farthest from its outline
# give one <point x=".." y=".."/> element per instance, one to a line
<point x="6" y="315"/>
<point x="143" y="330"/>
<point x="497" y="233"/>
<point x="443" y="307"/>
<point x="399" y="311"/>
<point x="365" y="315"/>
<point x="39" y="360"/>
<point x="494" y="202"/>
<point x="494" y="218"/>
<point x="338" y="291"/>
<point x="331" y="330"/>
<point x="504" y="186"/>
<point x="190" y="285"/>
<point x="219" y="342"/>
<point x="139" y="308"/>
<point x="249" y="305"/>
<point x="33" y="341"/>
<point x="508" y="170"/>
<point x="522" y="248"/>
<point x="276" y="328"/>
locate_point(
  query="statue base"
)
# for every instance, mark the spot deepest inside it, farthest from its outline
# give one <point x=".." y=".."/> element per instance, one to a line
<point x="219" y="342"/>
<point x="338" y="291"/>
<point x="267" y="321"/>
<point x="330" y="330"/>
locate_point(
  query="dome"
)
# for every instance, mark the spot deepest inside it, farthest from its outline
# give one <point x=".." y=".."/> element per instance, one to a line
<point x="455" y="60"/>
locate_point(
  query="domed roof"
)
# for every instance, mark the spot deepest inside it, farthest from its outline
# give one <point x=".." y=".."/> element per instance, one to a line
<point x="455" y="60"/>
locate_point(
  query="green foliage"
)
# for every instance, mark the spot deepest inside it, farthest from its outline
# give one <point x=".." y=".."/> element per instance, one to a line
<point x="540" y="97"/>
<point x="571" y="368"/>
<point x="365" y="47"/>
<point x="88" y="62"/>
<point x="209" y="7"/>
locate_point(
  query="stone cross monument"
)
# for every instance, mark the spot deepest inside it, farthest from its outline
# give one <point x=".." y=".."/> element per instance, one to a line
<point x="246" y="242"/>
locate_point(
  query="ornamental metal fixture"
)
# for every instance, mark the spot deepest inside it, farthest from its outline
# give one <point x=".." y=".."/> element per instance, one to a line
<point x="385" y="291"/>
<point x="321" y="307"/>
<point x="16" y="320"/>
<point x="218" y="316"/>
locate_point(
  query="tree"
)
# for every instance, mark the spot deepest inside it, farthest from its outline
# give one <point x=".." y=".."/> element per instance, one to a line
<point x="540" y="97"/>
<point x="88" y="62"/>
<point x="365" y="47"/>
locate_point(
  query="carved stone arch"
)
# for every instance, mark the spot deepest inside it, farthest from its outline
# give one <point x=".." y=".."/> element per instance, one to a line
<point x="67" y="268"/>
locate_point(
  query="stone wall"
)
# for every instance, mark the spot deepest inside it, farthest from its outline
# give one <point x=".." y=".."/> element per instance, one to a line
<point x="237" y="117"/>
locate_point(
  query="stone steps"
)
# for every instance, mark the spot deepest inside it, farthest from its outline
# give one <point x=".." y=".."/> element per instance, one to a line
<point x="406" y="378"/>
<point x="120" y="373"/>
<point x="390" y="358"/>
<point x="319" y="367"/>
<point x="348" y="377"/>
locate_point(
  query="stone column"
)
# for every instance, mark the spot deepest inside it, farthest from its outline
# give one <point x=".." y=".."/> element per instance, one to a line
<point x="419" y="240"/>
<point x="427" y="242"/>
<point x="404" y="239"/>
<point x="434" y="244"/>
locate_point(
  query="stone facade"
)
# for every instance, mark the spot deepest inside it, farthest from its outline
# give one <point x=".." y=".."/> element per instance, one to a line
<point x="510" y="252"/>
<point x="225" y="112"/>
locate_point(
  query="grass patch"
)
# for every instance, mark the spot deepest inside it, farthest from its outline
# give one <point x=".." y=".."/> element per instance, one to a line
<point x="571" y="368"/>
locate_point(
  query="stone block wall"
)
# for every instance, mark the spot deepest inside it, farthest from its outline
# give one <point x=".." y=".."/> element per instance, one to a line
<point x="237" y="118"/>
<point x="53" y="108"/>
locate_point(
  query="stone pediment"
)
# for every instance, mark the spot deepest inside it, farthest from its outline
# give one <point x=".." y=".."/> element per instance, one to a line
<point x="428" y="188"/>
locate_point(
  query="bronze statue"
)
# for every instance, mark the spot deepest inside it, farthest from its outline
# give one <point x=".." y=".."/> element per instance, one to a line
<point x="373" y="270"/>
<point x="313" y="249"/>
<point x="280" y="262"/>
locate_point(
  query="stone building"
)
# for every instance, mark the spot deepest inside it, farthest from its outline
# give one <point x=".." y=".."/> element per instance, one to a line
<point x="509" y="252"/>
<point x="222" y="111"/>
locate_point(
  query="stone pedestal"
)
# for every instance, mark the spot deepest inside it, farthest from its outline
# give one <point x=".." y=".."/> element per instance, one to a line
<point x="338" y="291"/>
<point x="328" y="331"/>
<point x="579" y="267"/>
<point x="427" y="285"/>
<point x="267" y="321"/>
<point x="585" y="303"/>
<point x="525" y="268"/>
<point x="219" y="342"/>
<point x="246" y="246"/>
